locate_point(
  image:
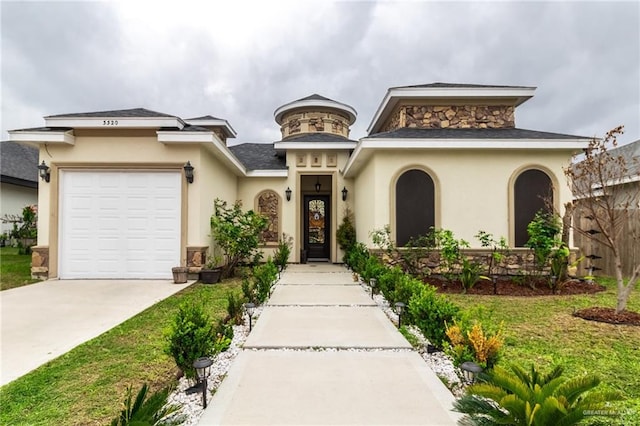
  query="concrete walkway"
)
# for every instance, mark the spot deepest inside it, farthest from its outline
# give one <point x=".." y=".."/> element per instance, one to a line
<point x="42" y="321"/>
<point x="322" y="353"/>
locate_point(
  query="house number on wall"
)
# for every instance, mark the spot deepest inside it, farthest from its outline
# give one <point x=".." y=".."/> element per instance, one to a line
<point x="109" y="122"/>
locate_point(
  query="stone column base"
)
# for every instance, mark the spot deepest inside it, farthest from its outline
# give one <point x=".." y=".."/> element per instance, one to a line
<point x="40" y="262"/>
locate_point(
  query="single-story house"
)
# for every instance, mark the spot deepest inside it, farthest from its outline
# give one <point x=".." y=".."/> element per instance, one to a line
<point x="120" y="204"/>
<point x="18" y="180"/>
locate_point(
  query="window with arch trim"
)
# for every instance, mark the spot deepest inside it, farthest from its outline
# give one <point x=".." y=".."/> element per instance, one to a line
<point x="415" y="205"/>
<point x="530" y="190"/>
<point x="269" y="206"/>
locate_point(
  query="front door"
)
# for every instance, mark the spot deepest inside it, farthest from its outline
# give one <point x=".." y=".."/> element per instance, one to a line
<point x="317" y="226"/>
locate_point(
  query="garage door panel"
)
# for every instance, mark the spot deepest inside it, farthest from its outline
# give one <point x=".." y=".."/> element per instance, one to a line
<point x="119" y="224"/>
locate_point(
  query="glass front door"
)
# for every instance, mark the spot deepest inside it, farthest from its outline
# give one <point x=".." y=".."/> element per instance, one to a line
<point x="317" y="226"/>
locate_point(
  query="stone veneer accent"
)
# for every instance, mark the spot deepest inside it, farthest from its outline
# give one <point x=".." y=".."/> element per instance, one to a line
<point x="296" y="123"/>
<point x="452" y="117"/>
<point x="40" y="262"/>
<point x="268" y="206"/>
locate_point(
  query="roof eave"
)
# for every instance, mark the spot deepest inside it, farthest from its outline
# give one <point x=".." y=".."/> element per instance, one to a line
<point x="395" y="94"/>
<point x="224" y="124"/>
<point x="112" y="122"/>
<point x="37" y="137"/>
<point x="367" y="145"/>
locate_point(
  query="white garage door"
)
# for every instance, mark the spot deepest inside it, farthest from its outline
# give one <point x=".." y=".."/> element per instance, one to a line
<point x="119" y="224"/>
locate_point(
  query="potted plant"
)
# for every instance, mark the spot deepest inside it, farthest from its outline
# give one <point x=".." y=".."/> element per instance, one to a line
<point x="180" y="274"/>
<point x="211" y="271"/>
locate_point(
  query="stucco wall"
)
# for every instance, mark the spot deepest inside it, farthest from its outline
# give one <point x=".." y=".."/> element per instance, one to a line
<point x="13" y="199"/>
<point x="473" y="188"/>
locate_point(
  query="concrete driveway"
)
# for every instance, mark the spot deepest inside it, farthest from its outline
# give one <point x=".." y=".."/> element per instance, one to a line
<point x="42" y="321"/>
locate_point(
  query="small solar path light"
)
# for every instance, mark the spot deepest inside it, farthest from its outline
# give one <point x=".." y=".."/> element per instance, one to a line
<point x="399" y="309"/>
<point x="494" y="280"/>
<point x="470" y="370"/>
<point x="373" y="283"/>
<point x="250" y="308"/>
<point x="203" y="370"/>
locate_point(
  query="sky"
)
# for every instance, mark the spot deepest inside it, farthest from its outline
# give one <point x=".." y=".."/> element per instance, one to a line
<point x="240" y="60"/>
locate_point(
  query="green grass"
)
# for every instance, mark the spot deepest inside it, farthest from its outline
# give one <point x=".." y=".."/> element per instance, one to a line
<point x="15" y="269"/>
<point x="542" y="331"/>
<point x="87" y="385"/>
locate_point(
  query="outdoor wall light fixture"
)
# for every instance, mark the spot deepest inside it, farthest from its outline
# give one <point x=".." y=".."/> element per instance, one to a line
<point x="399" y="308"/>
<point x="188" y="172"/>
<point x="372" y="283"/>
<point x="44" y="171"/>
<point x="344" y="193"/>
<point x="203" y="370"/>
<point x="250" y="308"/>
<point x="288" y="193"/>
<point x="318" y="186"/>
<point x="470" y="370"/>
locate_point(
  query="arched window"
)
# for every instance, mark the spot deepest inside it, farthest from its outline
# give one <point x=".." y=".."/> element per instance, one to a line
<point x="530" y="190"/>
<point x="269" y="207"/>
<point x="415" y="205"/>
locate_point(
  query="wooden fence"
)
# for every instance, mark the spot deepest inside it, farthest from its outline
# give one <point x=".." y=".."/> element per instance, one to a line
<point x="588" y="246"/>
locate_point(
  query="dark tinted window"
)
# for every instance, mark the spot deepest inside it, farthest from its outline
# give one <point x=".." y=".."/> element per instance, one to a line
<point x="415" y="205"/>
<point x="531" y="188"/>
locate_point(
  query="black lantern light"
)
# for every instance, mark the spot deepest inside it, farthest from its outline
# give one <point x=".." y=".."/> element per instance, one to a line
<point x="318" y="186"/>
<point x="470" y="371"/>
<point x="44" y="171"/>
<point x="399" y="309"/>
<point x="250" y="308"/>
<point x="344" y="193"/>
<point x="203" y="370"/>
<point x="287" y="193"/>
<point x="373" y="283"/>
<point x="188" y="172"/>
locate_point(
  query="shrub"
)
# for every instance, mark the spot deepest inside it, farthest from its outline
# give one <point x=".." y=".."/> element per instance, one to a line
<point x="450" y="254"/>
<point x="406" y="287"/>
<point x="249" y="291"/>
<point x="382" y="239"/>
<point x="282" y="253"/>
<point x="373" y="268"/>
<point x="148" y="411"/>
<point x="415" y="251"/>
<point x="516" y="397"/>
<point x="470" y="274"/>
<point x="388" y="279"/>
<point x="431" y="312"/>
<point x="346" y="232"/>
<point x="236" y="232"/>
<point x="473" y="343"/>
<point x="357" y="256"/>
<point x="499" y="250"/>
<point x="543" y="230"/>
<point x="264" y="276"/>
<point x="234" y="308"/>
<point x="192" y="336"/>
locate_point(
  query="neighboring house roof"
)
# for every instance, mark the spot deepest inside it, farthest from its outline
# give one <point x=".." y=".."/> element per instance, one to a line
<point x="500" y="133"/>
<point x="631" y="155"/>
<point x="258" y="156"/>
<point x="19" y="164"/>
<point x="134" y="112"/>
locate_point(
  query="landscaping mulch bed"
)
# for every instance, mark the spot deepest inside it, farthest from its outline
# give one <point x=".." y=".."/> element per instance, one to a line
<point x="609" y="315"/>
<point x="509" y="286"/>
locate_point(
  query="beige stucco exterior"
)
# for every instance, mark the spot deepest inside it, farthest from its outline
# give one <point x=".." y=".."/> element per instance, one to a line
<point x="473" y="188"/>
<point x="473" y="176"/>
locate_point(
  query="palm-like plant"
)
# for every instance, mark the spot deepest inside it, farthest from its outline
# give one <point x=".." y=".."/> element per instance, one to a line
<point x="517" y="397"/>
<point x="150" y="412"/>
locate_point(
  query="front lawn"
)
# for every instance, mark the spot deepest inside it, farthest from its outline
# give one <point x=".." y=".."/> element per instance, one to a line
<point x="15" y="269"/>
<point x="542" y="331"/>
<point x="87" y="385"/>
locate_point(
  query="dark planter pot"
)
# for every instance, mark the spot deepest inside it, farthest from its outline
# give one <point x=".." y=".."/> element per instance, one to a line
<point x="303" y="256"/>
<point x="210" y="276"/>
<point x="180" y="274"/>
